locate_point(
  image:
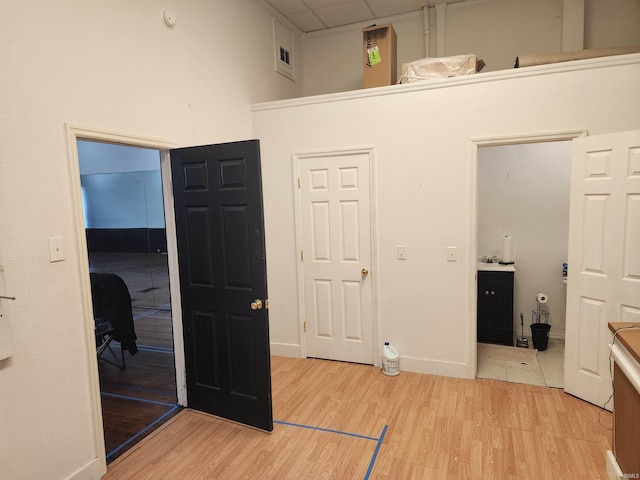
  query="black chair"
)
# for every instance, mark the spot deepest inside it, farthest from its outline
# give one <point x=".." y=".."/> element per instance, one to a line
<point x="113" y="316"/>
<point x="104" y="335"/>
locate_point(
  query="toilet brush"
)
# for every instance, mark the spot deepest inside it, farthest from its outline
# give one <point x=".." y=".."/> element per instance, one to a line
<point x="522" y="342"/>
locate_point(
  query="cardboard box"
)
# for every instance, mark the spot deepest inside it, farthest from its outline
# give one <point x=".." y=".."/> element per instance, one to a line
<point x="380" y="50"/>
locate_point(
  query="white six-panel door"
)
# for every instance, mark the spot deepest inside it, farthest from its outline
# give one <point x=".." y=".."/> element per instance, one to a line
<point x="335" y="240"/>
<point x="604" y="257"/>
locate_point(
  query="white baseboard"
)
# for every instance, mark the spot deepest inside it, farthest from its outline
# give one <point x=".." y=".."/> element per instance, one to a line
<point x="407" y="364"/>
<point x="552" y="336"/>
<point x="286" y="350"/>
<point x="94" y="470"/>
<point x="556" y="336"/>
<point x="434" y="367"/>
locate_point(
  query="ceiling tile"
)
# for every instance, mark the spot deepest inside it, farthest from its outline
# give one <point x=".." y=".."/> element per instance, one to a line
<point x="315" y="4"/>
<point x="345" y="13"/>
<point x="306" y="21"/>
<point x="286" y="7"/>
<point x="385" y="8"/>
<point x="312" y="15"/>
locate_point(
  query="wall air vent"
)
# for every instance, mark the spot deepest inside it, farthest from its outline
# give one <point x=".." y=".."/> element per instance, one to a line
<point x="283" y="46"/>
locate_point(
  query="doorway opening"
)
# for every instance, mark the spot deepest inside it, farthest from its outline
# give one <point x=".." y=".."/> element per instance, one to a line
<point x="126" y="240"/>
<point x="523" y="189"/>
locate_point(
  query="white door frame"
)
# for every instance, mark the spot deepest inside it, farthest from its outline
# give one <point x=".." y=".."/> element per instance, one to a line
<point x="476" y="143"/>
<point x="301" y="157"/>
<point x="75" y="133"/>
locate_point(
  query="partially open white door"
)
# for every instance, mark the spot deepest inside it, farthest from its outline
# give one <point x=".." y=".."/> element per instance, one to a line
<point x="604" y="257"/>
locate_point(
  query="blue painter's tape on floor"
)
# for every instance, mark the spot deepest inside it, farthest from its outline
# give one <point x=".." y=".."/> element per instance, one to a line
<point x="155" y="391"/>
<point x="154" y="349"/>
<point x="328" y="430"/>
<point x="378" y="440"/>
<point x="141" y="432"/>
<point x="375" y="452"/>
<point x="148" y="348"/>
<point x="145" y="314"/>
<point x="115" y="395"/>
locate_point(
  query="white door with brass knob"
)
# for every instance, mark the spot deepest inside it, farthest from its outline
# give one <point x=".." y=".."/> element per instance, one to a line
<point x="335" y="231"/>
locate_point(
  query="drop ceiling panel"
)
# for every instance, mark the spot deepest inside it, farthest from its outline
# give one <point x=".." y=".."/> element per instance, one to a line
<point x="287" y="7"/>
<point x="315" y="4"/>
<point x="385" y="8"/>
<point x="312" y="15"/>
<point x="345" y="13"/>
<point x="306" y="21"/>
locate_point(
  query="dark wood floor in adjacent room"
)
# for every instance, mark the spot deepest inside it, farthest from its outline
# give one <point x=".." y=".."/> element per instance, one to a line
<point x="138" y="399"/>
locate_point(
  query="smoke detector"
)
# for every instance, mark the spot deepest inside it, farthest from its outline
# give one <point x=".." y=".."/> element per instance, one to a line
<point x="169" y="17"/>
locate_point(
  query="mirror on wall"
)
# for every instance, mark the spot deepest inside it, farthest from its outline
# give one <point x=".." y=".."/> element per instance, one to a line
<point x="124" y="218"/>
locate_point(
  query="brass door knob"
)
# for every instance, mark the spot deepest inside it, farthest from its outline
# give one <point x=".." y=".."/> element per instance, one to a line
<point x="256" y="304"/>
<point x="364" y="272"/>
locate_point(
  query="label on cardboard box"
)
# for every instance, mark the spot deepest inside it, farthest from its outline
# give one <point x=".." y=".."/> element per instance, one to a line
<point x="374" y="55"/>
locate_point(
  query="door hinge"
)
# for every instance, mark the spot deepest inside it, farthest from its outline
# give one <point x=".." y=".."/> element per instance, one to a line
<point x="302" y="255"/>
<point x="299" y="183"/>
<point x="305" y="327"/>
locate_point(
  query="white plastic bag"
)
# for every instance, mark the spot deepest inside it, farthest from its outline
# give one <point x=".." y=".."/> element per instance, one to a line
<point x="429" y="68"/>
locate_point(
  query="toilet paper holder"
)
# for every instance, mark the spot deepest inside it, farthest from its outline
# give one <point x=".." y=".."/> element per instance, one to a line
<point x="537" y="315"/>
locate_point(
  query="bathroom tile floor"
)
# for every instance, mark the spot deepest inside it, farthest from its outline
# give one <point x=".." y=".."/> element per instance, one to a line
<point x="519" y="365"/>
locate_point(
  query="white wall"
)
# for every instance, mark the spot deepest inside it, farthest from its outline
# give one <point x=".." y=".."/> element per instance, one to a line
<point x="612" y="23"/>
<point x="496" y="31"/>
<point x="500" y="31"/>
<point x="333" y="58"/>
<point x="523" y="191"/>
<point x="105" y="64"/>
<point x="424" y="155"/>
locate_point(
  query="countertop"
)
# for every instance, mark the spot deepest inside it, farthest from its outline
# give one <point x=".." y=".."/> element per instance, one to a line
<point x="629" y="338"/>
<point x="495" y="267"/>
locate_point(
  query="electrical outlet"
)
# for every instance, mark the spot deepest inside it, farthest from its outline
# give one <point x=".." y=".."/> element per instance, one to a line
<point x="452" y="254"/>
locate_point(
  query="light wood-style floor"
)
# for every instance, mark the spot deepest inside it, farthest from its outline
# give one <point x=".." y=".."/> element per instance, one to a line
<point x="341" y="421"/>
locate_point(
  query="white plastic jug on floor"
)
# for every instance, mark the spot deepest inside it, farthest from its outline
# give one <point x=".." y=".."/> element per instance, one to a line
<point x="390" y="360"/>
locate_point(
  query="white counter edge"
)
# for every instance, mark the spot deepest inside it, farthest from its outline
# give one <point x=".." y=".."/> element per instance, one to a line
<point x="627" y="364"/>
<point x="613" y="469"/>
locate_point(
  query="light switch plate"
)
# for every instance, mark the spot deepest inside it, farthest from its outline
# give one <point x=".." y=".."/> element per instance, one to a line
<point x="452" y="254"/>
<point x="401" y="252"/>
<point x="6" y="337"/>
<point x="56" y="249"/>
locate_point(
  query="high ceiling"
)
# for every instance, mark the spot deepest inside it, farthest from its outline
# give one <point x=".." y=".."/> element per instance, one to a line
<point x="312" y="15"/>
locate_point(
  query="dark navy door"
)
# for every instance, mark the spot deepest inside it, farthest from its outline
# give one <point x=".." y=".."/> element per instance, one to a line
<point x="221" y="253"/>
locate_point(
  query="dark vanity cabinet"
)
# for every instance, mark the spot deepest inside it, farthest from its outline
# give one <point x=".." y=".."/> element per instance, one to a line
<point x="495" y="306"/>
